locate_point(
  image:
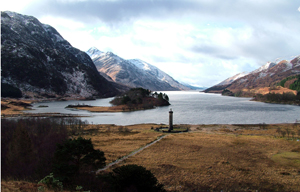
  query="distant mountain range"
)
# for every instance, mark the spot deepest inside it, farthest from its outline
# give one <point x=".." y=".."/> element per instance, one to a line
<point x="37" y="60"/>
<point x="261" y="80"/>
<point x="133" y="72"/>
<point x="193" y="87"/>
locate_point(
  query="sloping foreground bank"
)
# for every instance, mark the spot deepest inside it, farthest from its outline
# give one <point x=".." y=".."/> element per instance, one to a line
<point x="209" y="157"/>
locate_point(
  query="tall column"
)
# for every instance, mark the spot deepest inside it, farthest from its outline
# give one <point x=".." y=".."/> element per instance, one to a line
<point x="170" y="120"/>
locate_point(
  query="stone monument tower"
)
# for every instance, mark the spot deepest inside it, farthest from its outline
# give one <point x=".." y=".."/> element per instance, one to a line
<point x="170" y="120"/>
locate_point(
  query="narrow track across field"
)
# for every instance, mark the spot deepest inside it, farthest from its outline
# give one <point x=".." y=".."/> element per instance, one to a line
<point x="131" y="154"/>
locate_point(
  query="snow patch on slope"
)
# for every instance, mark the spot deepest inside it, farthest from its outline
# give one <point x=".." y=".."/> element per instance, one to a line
<point x="77" y="84"/>
<point x="265" y="67"/>
<point x="159" y="74"/>
<point x="233" y="78"/>
<point x="93" y="52"/>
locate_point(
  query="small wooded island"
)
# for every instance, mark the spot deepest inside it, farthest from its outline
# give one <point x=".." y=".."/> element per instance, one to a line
<point x="132" y="100"/>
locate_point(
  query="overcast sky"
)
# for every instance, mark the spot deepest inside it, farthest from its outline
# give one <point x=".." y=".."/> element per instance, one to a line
<point x="200" y="42"/>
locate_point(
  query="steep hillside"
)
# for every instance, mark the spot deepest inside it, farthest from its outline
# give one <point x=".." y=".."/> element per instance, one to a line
<point x="133" y="73"/>
<point x="224" y="84"/>
<point x="36" y="59"/>
<point x="159" y="74"/>
<point x="262" y="80"/>
<point x="268" y="77"/>
<point x="232" y="79"/>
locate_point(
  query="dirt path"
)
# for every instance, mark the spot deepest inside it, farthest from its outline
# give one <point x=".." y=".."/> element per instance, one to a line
<point x="131" y="154"/>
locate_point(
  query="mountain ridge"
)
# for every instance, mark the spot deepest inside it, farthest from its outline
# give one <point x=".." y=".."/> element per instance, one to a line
<point x="267" y="76"/>
<point x="36" y="59"/>
<point x="133" y="72"/>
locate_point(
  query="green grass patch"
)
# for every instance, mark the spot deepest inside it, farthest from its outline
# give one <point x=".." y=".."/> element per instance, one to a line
<point x="288" y="159"/>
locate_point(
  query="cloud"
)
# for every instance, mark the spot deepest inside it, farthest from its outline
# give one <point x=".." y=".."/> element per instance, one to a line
<point x="126" y="10"/>
<point x="208" y="40"/>
<point x="299" y="9"/>
<point x="15" y="5"/>
<point x="110" y="11"/>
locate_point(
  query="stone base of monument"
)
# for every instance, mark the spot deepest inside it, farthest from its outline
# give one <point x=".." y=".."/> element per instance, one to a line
<point x="176" y="129"/>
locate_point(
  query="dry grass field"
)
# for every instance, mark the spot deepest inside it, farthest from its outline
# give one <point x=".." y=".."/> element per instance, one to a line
<point x="266" y="90"/>
<point x="118" y="141"/>
<point x="13" y="106"/>
<point x="21" y="186"/>
<point x="210" y="157"/>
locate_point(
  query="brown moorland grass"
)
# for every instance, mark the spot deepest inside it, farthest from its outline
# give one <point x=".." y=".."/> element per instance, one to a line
<point x="13" y="106"/>
<point x="21" y="186"/>
<point x="209" y="158"/>
<point x="218" y="160"/>
<point x="265" y="90"/>
<point x="118" y="141"/>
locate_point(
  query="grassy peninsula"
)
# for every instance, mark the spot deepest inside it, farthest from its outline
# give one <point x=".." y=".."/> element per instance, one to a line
<point x="132" y="100"/>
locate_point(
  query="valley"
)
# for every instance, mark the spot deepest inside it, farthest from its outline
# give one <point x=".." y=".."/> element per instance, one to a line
<point x="53" y="93"/>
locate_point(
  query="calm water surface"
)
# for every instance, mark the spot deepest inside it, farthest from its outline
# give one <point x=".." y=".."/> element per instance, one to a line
<point x="189" y="107"/>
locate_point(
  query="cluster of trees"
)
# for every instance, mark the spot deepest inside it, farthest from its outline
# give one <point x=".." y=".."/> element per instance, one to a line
<point x="279" y="98"/>
<point x="295" y="85"/>
<point x="160" y="96"/>
<point x="40" y="149"/>
<point x="141" y="98"/>
<point x="133" y="96"/>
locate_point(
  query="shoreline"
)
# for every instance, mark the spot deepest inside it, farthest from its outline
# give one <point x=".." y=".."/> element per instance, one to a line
<point x="112" y="109"/>
<point x="18" y="107"/>
<point x="253" y="94"/>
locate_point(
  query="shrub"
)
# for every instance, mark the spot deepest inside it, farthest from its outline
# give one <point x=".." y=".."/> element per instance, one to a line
<point x="76" y="156"/>
<point x="283" y="133"/>
<point x="227" y="92"/>
<point x="51" y="182"/>
<point x="278" y="130"/>
<point x="134" y="178"/>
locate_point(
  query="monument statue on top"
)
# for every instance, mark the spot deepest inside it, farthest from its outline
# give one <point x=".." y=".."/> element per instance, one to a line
<point x="170" y="120"/>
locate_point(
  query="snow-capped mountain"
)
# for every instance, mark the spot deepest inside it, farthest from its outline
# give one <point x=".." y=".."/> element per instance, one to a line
<point x="233" y="78"/>
<point x="266" y="76"/>
<point x="296" y="61"/>
<point x="133" y="72"/>
<point x="159" y="74"/>
<point x="93" y="52"/>
<point x="265" y="67"/>
<point x="36" y="59"/>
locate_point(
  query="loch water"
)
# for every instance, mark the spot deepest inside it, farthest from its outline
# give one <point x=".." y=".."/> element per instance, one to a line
<point x="189" y="107"/>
